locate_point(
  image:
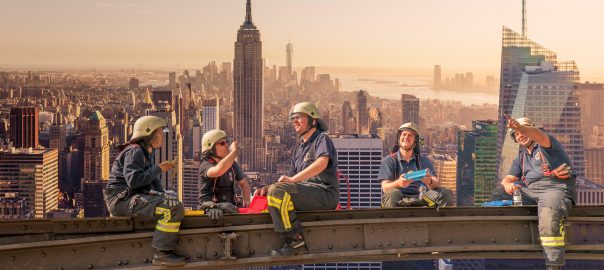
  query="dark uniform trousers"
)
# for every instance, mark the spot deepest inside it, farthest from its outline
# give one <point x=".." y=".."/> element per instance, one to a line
<point x="153" y="207"/>
<point x="554" y="201"/>
<point x="285" y="198"/>
<point x="435" y="197"/>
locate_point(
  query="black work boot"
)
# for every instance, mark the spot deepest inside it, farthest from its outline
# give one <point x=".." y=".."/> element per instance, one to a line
<point x="167" y="258"/>
<point x="293" y="244"/>
<point x="553" y="267"/>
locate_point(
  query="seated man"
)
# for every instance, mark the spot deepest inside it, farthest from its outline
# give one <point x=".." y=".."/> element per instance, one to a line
<point x="405" y="158"/>
<point x="218" y="173"/>
<point x="544" y="167"/>
<point x="310" y="184"/>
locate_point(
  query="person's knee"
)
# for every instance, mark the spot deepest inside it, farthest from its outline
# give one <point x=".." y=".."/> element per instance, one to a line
<point x="390" y="198"/>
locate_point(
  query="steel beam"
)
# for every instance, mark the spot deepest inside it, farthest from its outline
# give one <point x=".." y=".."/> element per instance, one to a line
<point x="332" y="236"/>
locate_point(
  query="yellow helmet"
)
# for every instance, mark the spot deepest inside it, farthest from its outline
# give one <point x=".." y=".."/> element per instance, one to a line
<point x="145" y="126"/>
<point x="210" y="138"/>
<point x="523" y="121"/>
<point x="310" y="110"/>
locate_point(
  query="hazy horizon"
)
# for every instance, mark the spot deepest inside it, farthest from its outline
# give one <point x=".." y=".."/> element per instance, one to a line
<point x="461" y="36"/>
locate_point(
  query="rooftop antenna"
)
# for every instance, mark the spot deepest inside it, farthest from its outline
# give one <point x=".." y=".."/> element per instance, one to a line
<point x="524" y="18"/>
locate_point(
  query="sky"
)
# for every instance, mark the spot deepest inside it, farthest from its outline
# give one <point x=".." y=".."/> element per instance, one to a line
<point x="460" y="35"/>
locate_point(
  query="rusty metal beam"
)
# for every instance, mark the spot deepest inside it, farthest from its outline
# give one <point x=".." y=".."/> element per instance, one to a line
<point x="332" y="236"/>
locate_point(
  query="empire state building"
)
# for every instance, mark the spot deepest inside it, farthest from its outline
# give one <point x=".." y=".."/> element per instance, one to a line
<point x="248" y="95"/>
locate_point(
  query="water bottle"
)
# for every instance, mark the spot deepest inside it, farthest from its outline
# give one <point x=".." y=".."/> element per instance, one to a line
<point x="517" y="197"/>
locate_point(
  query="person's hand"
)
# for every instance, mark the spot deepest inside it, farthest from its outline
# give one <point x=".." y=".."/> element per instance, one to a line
<point x="512" y="123"/>
<point x="234" y="147"/>
<point x="171" y="198"/>
<point x="285" y="179"/>
<point x="227" y="207"/>
<point x="166" y="166"/>
<point x="402" y="182"/>
<point x="428" y="179"/>
<point x="215" y="213"/>
<point x="510" y="188"/>
<point x="261" y="191"/>
<point x="563" y="171"/>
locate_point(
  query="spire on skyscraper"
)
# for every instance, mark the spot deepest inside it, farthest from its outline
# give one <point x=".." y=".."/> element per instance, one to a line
<point x="524" y="18"/>
<point x="248" y="16"/>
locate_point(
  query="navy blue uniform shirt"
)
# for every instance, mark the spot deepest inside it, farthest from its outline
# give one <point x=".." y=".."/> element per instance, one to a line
<point x="323" y="147"/>
<point x="555" y="156"/>
<point x="393" y="166"/>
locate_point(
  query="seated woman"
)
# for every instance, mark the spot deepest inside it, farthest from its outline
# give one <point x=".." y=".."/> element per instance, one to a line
<point x="218" y="173"/>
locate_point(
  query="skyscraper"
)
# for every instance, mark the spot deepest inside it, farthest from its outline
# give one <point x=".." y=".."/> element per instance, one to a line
<point x="410" y="109"/>
<point x="210" y="115"/>
<point x="476" y="158"/>
<point x="348" y="120"/>
<point x="58" y="133"/>
<point x="248" y="101"/>
<point x="592" y="111"/>
<point x="189" y="179"/>
<point x="362" y="117"/>
<point x="516" y="53"/>
<point x="437" y="83"/>
<point x="445" y="169"/>
<point x="31" y="174"/>
<point x="289" y="54"/>
<point x="96" y="149"/>
<point x="23" y="127"/>
<point x="359" y="158"/>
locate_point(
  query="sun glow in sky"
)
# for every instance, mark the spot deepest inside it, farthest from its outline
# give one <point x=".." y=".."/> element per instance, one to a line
<point x="463" y="35"/>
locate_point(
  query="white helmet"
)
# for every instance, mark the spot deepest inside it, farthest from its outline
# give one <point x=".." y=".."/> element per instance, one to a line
<point x="523" y="121"/>
<point x="210" y="138"/>
<point x="145" y="126"/>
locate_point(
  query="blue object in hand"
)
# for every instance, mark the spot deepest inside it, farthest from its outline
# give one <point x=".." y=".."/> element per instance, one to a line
<point x="416" y="175"/>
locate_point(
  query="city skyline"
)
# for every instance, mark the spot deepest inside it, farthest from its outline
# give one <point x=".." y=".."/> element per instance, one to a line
<point x="153" y="34"/>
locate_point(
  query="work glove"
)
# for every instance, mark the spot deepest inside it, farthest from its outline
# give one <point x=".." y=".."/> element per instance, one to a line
<point x="227" y="207"/>
<point x="171" y="198"/>
<point x="215" y="213"/>
<point x="211" y="209"/>
<point x="563" y="171"/>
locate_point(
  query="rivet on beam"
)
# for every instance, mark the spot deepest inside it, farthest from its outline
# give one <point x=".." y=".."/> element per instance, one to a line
<point x="103" y="249"/>
<point x="355" y="245"/>
<point x="131" y="245"/>
<point x="12" y="258"/>
<point x="331" y="246"/>
<point x="73" y="250"/>
<point x="333" y="231"/>
<point x="126" y="262"/>
<point x="516" y="240"/>
<point x="259" y="235"/>
<point x="449" y="241"/>
<point x="140" y="245"/>
<point x="119" y="263"/>
<point x="252" y="251"/>
<point x="388" y="243"/>
<point x="24" y="227"/>
<point x="427" y="242"/>
<point x="199" y="256"/>
<point x="43" y="254"/>
<point x="190" y="241"/>
<point x="414" y="242"/>
<point x="402" y="243"/>
<point x="147" y="260"/>
<point x="472" y="241"/>
<point x="90" y="266"/>
<point x="493" y="240"/>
